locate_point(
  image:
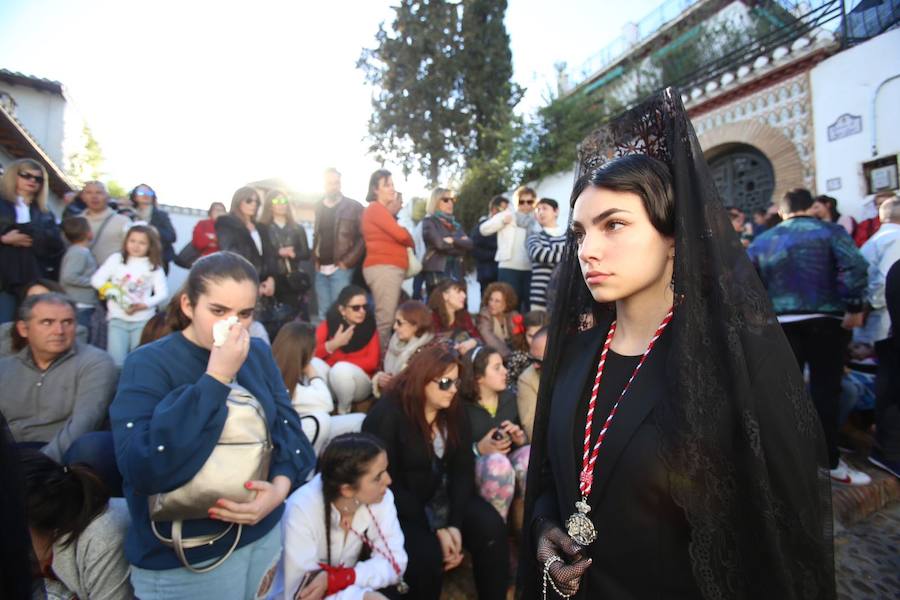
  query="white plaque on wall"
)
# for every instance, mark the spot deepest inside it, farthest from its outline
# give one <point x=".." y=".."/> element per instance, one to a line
<point x="845" y="126"/>
<point x="833" y="184"/>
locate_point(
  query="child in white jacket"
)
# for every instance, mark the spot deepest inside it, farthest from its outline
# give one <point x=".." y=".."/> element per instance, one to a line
<point x="133" y="284"/>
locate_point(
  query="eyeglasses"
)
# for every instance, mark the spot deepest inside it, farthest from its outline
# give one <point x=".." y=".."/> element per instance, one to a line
<point x="279" y="201"/>
<point x="536" y="360"/>
<point x="445" y="383"/>
<point x="32" y="177"/>
<point x="355" y="307"/>
<point x="448" y="199"/>
<point x="251" y="200"/>
<point x="526" y="202"/>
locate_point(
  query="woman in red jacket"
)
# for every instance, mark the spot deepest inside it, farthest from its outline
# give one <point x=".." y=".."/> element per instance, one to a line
<point x="386" y="242"/>
<point x="348" y="342"/>
<point x="204" y="238"/>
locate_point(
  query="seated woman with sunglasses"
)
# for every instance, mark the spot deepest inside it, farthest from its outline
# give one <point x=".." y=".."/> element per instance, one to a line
<point x="446" y="242"/>
<point x="347" y="341"/>
<point x="329" y="523"/>
<point x="238" y="232"/>
<point x="430" y="462"/>
<point x="500" y="445"/>
<point x="412" y="331"/>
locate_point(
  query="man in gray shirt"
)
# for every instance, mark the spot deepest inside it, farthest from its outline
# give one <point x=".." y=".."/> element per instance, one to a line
<point x="56" y="391"/>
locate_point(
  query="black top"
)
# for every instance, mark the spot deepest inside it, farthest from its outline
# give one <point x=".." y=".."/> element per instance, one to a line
<point x="481" y="421"/>
<point x="293" y="235"/>
<point x="326" y="216"/>
<point x="234" y="236"/>
<point x="415" y="480"/>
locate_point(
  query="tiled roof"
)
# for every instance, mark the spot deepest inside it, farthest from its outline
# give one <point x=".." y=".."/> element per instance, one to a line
<point x="16" y="78"/>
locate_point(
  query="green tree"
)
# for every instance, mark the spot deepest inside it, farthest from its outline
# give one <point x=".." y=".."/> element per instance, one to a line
<point x="86" y="162"/>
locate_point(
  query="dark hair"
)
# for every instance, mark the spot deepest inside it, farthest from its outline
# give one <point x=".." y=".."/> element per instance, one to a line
<point x="213" y="205"/>
<point x="344" y="460"/>
<point x="439" y="307"/>
<point x="506" y="290"/>
<point x="795" y="200"/>
<point x="293" y="348"/>
<point x="541" y="332"/>
<point x="536" y="318"/>
<point x="53" y="286"/>
<point x="60" y="501"/>
<point x="496" y="201"/>
<point x="418" y="314"/>
<point x="474" y="364"/>
<point x="268" y="212"/>
<point x="76" y="229"/>
<point x="217" y="267"/>
<point x="831" y="204"/>
<point x="638" y="174"/>
<point x="154" y="252"/>
<point x="133" y="193"/>
<point x="239" y="196"/>
<point x="429" y="363"/>
<point x="347" y="294"/>
<point x="549" y="202"/>
<point x="374" y="181"/>
<point x="155" y="328"/>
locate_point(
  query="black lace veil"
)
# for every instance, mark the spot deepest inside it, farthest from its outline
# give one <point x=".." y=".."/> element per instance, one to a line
<point x="740" y="437"/>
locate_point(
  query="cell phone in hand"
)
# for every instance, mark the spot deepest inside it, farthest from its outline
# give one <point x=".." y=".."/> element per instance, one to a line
<point x="499" y="435"/>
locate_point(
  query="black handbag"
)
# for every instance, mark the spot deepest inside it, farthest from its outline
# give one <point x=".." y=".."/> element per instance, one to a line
<point x="187" y="256"/>
<point x="297" y="281"/>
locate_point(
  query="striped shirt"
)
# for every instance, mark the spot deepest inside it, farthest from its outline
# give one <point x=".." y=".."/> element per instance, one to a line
<point x="545" y="251"/>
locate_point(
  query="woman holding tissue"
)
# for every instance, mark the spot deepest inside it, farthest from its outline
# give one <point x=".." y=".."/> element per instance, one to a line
<point x="173" y="404"/>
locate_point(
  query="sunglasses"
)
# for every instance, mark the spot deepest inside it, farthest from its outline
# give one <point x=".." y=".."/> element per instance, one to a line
<point x="145" y="193"/>
<point x="445" y="383"/>
<point x="279" y="201"/>
<point x="251" y="200"/>
<point x="32" y="177"/>
<point x="355" y="307"/>
<point x="448" y="199"/>
<point x="536" y="360"/>
<point x="526" y="202"/>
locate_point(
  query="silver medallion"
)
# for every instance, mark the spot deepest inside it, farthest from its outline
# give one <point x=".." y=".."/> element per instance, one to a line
<point x="579" y="526"/>
<point x="402" y="587"/>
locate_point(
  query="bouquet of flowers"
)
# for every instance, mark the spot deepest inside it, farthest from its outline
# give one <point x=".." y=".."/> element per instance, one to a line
<point x="116" y="292"/>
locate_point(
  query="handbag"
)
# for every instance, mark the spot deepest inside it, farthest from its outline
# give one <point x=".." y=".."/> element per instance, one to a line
<point x="243" y="453"/>
<point x="297" y="281"/>
<point x="415" y="265"/>
<point x="187" y="256"/>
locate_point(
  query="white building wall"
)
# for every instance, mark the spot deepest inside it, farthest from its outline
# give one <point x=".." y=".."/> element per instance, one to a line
<point x="846" y="84"/>
<point x="43" y="115"/>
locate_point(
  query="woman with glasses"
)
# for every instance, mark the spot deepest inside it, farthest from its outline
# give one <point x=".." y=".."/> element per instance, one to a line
<point x="289" y="247"/>
<point x="348" y="342"/>
<point x="429" y="447"/>
<point x="500" y="445"/>
<point x="143" y="198"/>
<point x="30" y="243"/>
<point x="446" y="243"/>
<point x="412" y="331"/>
<point x="387" y="243"/>
<point x="239" y="232"/>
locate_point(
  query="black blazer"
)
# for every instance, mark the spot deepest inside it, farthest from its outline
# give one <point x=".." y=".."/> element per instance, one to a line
<point x="20" y="266"/>
<point x="642" y="545"/>
<point x="234" y="236"/>
<point x="409" y="463"/>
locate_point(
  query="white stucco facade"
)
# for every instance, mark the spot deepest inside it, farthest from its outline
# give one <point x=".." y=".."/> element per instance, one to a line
<point x="46" y="116"/>
<point x="844" y="99"/>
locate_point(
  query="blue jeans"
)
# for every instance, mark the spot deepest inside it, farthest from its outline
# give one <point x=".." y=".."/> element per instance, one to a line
<point x="7" y="307"/>
<point x="122" y="338"/>
<point x="520" y="282"/>
<point x="83" y="317"/>
<point x="329" y="286"/>
<point x="96" y="450"/>
<point x="239" y="576"/>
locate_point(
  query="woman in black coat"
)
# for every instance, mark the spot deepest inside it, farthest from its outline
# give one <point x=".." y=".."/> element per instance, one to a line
<point x="143" y="198"/>
<point x="426" y="434"/>
<point x="290" y="247"/>
<point x="239" y="232"/>
<point x="30" y="243"/>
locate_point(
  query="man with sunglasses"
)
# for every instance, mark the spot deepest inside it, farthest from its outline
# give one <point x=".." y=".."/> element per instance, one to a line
<point x="337" y="241"/>
<point x="512" y="229"/>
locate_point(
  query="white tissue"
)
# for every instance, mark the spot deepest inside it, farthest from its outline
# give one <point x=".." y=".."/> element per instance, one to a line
<point x="221" y="328"/>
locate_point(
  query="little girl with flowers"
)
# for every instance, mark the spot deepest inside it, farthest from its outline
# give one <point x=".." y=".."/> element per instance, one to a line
<point x="133" y="284"/>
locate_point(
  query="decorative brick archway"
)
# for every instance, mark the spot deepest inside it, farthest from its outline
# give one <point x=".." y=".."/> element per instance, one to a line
<point x="780" y="151"/>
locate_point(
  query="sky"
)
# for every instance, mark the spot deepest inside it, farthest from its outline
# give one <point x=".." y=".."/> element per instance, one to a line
<point x="200" y="97"/>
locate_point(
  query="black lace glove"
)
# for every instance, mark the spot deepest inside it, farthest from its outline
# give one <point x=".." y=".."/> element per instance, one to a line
<point x="553" y="541"/>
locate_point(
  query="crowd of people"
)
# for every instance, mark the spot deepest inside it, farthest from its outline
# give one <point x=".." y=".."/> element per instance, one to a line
<point x="380" y="434"/>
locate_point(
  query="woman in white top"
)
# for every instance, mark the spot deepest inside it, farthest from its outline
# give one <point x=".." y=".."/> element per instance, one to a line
<point x="328" y="522"/>
<point x="304" y="376"/>
<point x="412" y="330"/>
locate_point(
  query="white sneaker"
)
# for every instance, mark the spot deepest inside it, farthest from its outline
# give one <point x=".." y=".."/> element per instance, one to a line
<point x="848" y="476"/>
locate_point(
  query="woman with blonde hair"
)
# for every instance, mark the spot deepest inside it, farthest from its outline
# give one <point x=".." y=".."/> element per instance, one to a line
<point x="446" y="241"/>
<point x="30" y="243"/>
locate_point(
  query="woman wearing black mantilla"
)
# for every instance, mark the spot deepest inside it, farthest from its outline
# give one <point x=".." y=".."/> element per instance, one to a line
<point x="676" y="454"/>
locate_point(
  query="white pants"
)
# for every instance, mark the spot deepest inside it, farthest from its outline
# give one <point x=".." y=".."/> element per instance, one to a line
<point x="349" y="384"/>
<point x="321" y="428"/>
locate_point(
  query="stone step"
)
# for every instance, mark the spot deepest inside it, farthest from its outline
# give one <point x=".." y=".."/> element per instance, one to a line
<point x="853" y="504"/>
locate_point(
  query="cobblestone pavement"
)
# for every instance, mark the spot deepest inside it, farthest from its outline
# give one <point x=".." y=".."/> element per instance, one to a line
<point x="867" y="557"/>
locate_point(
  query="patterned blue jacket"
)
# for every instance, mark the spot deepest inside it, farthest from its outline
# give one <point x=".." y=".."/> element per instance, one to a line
<point x="809" y="266"/>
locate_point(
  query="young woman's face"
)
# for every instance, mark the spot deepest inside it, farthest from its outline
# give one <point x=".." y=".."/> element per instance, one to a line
<point x="280" y="207"/>
<point x="223" y="298"/>
<point x="143" y="196"/>
<point x="216" y="211"/>
<point x="620" y="252"/>
<point x="437" y="398"/>
<point x="496" y="303"/>
<point x="385" y="192"/>
<point x="249" y="206"/>
<point x="354" y="312"/>
<point x="403" y="329"/>
<point x="454" y="299"/>
<point x="371" y="487"/>
<point x="494" y="377"/>
<point x="29" y="182"/>
<point x="137" y="244"/>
